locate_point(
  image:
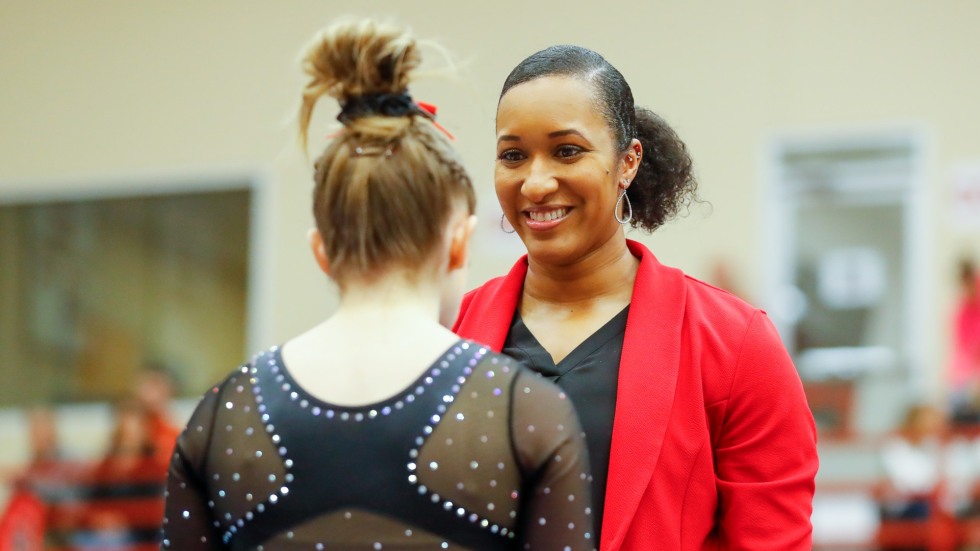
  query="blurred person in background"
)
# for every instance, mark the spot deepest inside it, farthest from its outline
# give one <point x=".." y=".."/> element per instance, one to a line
<point x="380" y="428"/>
<point x="927" y="478"/>
<point x="129" y="473"/>
<point x="911" y="461"/>
<point x="42" y="428"/>
<point x="698" y="429"/>
<point x="24" y="518"/>
<point x="153" y="390"/>
<point x="964" y="373"/>
<point x="131" y="447"/>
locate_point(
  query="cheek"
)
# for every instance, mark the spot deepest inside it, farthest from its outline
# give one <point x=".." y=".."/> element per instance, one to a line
<point x="505" y="183"/>
<point x="594" y="183"/>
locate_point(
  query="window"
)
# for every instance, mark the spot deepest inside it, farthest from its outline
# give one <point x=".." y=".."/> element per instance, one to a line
<point x="93" y="290"/>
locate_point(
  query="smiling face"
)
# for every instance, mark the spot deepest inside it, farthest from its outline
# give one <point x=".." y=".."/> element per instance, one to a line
<point x="558" y="172"/>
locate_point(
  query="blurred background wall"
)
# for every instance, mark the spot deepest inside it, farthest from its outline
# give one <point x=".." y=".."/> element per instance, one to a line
<point x="117" y="98"/>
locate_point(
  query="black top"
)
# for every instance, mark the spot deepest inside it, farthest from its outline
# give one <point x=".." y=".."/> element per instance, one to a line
<point x="589" y="375"/>
<point x="477" y="454"/>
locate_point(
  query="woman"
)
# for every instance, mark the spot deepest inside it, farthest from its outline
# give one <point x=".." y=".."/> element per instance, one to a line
<point x="912" y="464"/>
<point x="380" y="428"/>
<point x="697" y="427"/>
<point x="964" y="372"/>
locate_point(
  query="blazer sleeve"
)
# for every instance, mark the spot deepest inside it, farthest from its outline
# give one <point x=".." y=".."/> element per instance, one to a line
<point x="765" y="450"/>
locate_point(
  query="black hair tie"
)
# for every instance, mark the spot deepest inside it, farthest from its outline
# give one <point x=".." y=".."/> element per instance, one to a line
<point x="379" y="105"/>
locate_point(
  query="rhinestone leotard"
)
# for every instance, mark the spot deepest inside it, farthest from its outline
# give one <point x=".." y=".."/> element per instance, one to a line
<point x="478" y="453"/>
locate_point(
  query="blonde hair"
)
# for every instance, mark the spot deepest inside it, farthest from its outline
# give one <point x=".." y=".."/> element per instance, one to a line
<point x="386" y="185"/>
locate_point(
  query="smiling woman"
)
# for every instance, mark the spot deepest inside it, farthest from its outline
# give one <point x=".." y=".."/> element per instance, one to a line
<point x="548" y="133"/>
<point x="697" y="427"/>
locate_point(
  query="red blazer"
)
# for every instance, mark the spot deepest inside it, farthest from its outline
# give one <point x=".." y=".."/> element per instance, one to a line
<point x="713" y="444"/>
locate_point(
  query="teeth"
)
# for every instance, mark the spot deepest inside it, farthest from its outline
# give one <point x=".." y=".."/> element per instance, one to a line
<point x="546" y="216"/>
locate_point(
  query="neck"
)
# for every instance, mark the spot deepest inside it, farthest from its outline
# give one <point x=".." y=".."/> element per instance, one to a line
<point x="385" y="332"/>
<point x="389" y="301"/>
<point x="608" y="271"/>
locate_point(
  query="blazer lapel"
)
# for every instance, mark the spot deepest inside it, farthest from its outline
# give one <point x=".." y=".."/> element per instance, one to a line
<point x="493" y="307"/>
<point x="647" y="379"/>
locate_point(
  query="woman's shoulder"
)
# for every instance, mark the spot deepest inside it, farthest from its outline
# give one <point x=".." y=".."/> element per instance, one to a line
<point x="701" y="301"/>
<point x="243" y="374"/>
<point x="704" y="305"/>
<point x="725" y="318"/>
<point x="234" y="385"/>
<point x="720" y="324"/>
<point x="714" y="301"/>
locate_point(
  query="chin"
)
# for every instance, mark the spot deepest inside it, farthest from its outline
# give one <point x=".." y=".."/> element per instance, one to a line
<point x="551" y="251"/>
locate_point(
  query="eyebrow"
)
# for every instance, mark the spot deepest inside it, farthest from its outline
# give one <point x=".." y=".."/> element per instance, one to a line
<point x="555" y="134"/>
<point x="568" y="132"/>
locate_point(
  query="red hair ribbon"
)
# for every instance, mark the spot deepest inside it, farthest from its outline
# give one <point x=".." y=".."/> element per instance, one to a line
<point x="431" y="109"/>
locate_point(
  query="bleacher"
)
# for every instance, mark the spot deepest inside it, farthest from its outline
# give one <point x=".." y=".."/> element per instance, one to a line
<point x="68" y="506"/>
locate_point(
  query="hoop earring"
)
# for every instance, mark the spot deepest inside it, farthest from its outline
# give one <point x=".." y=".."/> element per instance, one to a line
<point x="629" y="206"/>
<point x="503" y="228"/>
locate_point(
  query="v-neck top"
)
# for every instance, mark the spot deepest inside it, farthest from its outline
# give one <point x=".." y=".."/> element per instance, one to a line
<point x="589" y="376"/>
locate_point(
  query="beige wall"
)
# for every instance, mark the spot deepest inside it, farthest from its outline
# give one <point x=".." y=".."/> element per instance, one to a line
<point x="109" y="88"/>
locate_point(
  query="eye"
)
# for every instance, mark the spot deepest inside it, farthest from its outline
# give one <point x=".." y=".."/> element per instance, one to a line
<point x="511" y="156"/>
<point x="568" y="151"/>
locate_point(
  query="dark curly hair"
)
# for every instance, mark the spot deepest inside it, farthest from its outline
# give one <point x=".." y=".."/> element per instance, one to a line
<point x="665" y="182"/>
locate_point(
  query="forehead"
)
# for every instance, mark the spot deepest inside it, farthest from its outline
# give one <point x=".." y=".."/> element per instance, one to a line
<point x="548" y="104"/>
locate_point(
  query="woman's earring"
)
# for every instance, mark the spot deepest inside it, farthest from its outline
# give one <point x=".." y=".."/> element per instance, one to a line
<point x="629" y="207"/>
<point x="504" y="228"/>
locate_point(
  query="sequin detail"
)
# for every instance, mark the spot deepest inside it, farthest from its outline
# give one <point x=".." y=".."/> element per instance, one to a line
<point x="269" y="357"/>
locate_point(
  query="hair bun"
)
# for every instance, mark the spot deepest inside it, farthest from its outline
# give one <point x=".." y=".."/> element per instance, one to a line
<point x="357" y="58"/>
<point x="388" y="182"/>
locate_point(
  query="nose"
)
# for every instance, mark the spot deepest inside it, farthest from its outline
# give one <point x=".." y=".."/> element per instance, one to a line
<point x="539" y="183"/>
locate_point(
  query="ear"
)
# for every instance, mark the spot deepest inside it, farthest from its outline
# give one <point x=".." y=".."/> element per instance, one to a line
<point x="459" y="244"/>
<point x="631" y="160"/>
<point x="319" y="249"/>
